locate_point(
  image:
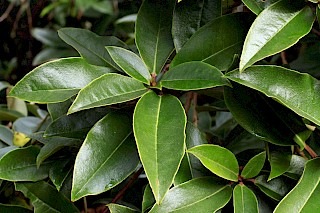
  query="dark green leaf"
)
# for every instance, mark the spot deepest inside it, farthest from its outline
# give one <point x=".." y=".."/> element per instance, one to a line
<point x="218" y="160"/>
<point x="189" y="16"/>
<point x="153" y="33"/>
<point x="106" y="158"/>
<point x="108" y="89"/>
<point x="279" y="20"/>
<point x="56" y="81"/>
<point x="91" y="46"/>
<point x="13" y="208"/>
<point x="244" y="200"/>
<point x="9" y="115"/>
<point x="203" y="194"/>
<point x="257" y="6"/>
<point x="193" y="75"/>
<point x="5" y="150"/>
<point x="279" y="161"/>
<point x="254" y="166"/>
<point x="214" y="44"/>
<point x="296" y="167"/>
<point x="48" y="37"/>
<point x="57" y="110"/>
<point x="45" y="198"/>
<point x="50" y="53"/>
<point x="159" y="127"/>
<point x="60" y="171"/>
<point x="148" y="199"/>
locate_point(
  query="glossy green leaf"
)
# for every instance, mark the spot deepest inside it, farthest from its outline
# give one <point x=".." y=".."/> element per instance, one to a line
<point x="276" y="188"/>
<point x="20" y="165"/>
<point x="153" y="33"/>
<point x="6" y="135"/>
<point x="279" y="161"/>
<point x="106" y="158"/>
<point x="148" y="199"/>
<point x="305" y="195"/>
<point x="184" y="173"/>
<point x="56" y="81"/>
<point x="193" y="75"/>
<point x="218" y="160"/>
<point x="130" y="63"/>
<point x="91" y="46"/>
<point x="262" y="116"/>
<point x="13" y="208"/>
<point x="57" y="110"/>
<point x="76" y="125"/>
<point x="203" y="194"/>
<point x="281" y="84"/>
<point x="254" y="166"/>
<point x="41" y="195"/>
<point x="244" y="200"/>
<point x="257" y="6"/>
<point x="5" y="150"/>
<point x="159" y="124"/>
<point x="268" y="34"/>
<point x="106" y="90"/>
<point x="116" y="208"/>
<point x="189" y="16"/>
<point x="296" y="167"/>
<point x="60" y="171"/>
<point x="214" y="44"/>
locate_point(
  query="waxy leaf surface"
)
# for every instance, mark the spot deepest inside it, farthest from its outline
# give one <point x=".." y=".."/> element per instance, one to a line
<point x="257" y="6"/>
<point x="203" y="194"/>
<point x="106" y="90"/>
<point x="244" y="200"/>
<point x="116" y="208"/>
<point x="56" y="81"/>
<point x="254" y="166"/>
<point x="268" y="34"/>
<point x="279" y="161"/>
<point x="153" y="33"/>
<point x="130" y="63"/>
<point x="281" y="84"/>
<point x="159" y="127"/>
<point x="218" y="160"/>
<point x="106" y="158"/>
<point x="193" y="75"/>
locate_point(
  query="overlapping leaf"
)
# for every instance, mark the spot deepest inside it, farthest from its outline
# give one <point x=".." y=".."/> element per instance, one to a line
<point x="257" y="6"/>
<point x="244" y="200"/>
<point x="268" y="34"/>
<point x="279" y="161"/>
<point x="254" y="166"/>
<point x="159" y="128"/>
<point x="56" y="81"/>
<point x="116" y="208"/>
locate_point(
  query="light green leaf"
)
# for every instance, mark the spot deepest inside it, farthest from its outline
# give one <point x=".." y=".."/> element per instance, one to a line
<point x="214" y="44"/>
<point x="148" y="199"/>
<point x="279" y="161"/>
<point x="106" y="90"/>
<point x="130" y="63"/>
<point x="305" y="195"/>
<point x="106" y="158"/>
<point x="218" y="160"/>
<point x="6" y="135"/>
<point x="193" y="75"/>
<point x="254" y="166"/>
<point x="153" y="33"/>
<point x="189" y="16"/>
<point x="20" y="165"/>
<point x="45" y="198"/>
<point x="268" y="34"/>
<point x="281" y="84"/>
<point x="159" y="124"/>
<point x="91" y="46"/>
<point x="116" y="208"/>
<point x="204" y="194"/>
<point x="244" y="200"/>
<point x="56" y="81"/>
<point x="257" y="6"/>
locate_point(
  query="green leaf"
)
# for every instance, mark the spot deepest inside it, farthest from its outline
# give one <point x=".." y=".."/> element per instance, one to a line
<point x="20" y="165"/>
<point x="76" y="125"/>
<point x="6" y="135"/>
<point x="268" y="34"/>
<point x="244" y="200"/>
<point x="148" y="199"/>
<point x="56" y="81"/>
<point x="60" y="171"/>
<point x="254" y="166"/>
<point x="57" y="110"/>
<point x="91" y="46"/>
<point x="276" y="188"/>
<point x="193" y="75"/>
<point x="266" y="118"/>
<point x="281" y="84"/>
<point x="296" y="167"/>
<point x="48" y="37"/>
<point x="9" y="115"/>
<point x="218" y="160"/>
<point x="106" y="90"/>
<point x="204" y="194"/>
<point x="116" y="208"/>
<point x="26" y="125"/>
<point x="17" y="105"/>
<point x="189" y="16"/>
<point x="257" y="6"/>
<point x="153" y="33"/>
<point x="51" y="53"/>
<point x="130" y="63"/>
<point x="305" y="195"/>
<point x="159" y="124"/>
<point x="5" y="150"/>
<point x="106" y="158"/>
<point x="13" y="208"/>
<point x="4" y="85"/>
<point x="279" y="161"/>
<point x="45" y="198"/>
<point x="214" y="44"/>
